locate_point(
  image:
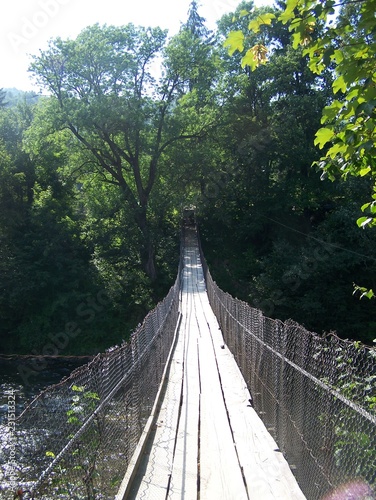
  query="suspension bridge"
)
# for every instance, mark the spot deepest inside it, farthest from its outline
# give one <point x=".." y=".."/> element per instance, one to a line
<point x="207" y="441"/>
<point x="209" y="400"/>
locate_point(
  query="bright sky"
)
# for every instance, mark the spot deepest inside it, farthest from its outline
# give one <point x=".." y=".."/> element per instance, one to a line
<point x="27" y="25"/>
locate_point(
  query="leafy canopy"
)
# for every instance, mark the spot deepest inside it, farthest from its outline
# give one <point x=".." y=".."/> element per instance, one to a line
<point x="339" y="37"/>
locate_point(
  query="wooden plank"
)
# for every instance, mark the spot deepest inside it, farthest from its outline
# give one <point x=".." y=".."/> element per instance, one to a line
<point x="220" y="473"/>
<point x="184" y="474"/>
<point x="157" y="468"/>
<point x="265" y="469"/>
<point x="138" y="455"/>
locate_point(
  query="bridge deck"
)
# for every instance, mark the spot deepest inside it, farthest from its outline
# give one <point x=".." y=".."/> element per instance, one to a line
<point x="206" y="441"/>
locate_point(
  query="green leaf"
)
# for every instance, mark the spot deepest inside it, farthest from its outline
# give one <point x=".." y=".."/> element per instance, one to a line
<point x="372" y="208"/>
<point x="256" y="24"/>
<point x="323" y="136"/>
<point x="337" y="56"/>
<point x="235" y="41"/>
<point x="339" y="84"/>
<point x="73" y="420"/>
<point x="330" y="112"/>
<point x="364" y="221"/>
<point x="296" y="40"/>
<point x="78" y="388"/>
<point x="288" y="13"/>
<point x="369" y="294"/>
<point x="250" y="60"/>
<point x="365" y="206"/>
<point x="50" y="454"/>
<point x="244" y="13"/>
<point x="91" y="395"/>
<point x="364" y="171"/>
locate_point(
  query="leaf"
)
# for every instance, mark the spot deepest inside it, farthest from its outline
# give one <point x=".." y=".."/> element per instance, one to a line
<point x="337" y="56"/>
<point x="364" y="221"/>
<point x="364" y="171"/>
<point x="250" y="60"/>
<point x="288" y="13"/>
<point x="365" y="206"/>
<point x="78" y="388"/>
<point x="296" y="40"/>
<point x="323" y="135"/>
<point x="256" y="24"/>
<point x="330" y="112"/>
<point x="369" y="294"/>
<point x="73" y="420"/>
<point x="372" y="208"/>
<point x="235" y="41"/>
<point x="339" y="84"/>
<point x="50" y="454"/>
<point x="336" y="149"/>
<point x="244" y="13"/>
<point x="91" y="395"/>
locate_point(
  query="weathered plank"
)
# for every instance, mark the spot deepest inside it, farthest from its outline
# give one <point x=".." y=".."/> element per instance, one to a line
<point x="266" y="472"/>
<point x="128" y="484"/>
<point x="220" y="473"/>
<point x="157" y="469"/>
<point x="185" y="467"/>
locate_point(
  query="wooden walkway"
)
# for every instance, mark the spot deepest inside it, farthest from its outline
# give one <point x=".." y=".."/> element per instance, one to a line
<point x="204" y="440"/>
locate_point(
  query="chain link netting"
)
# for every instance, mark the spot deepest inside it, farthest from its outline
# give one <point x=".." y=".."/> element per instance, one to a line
<point x="315" y="394"/>
<point x="75" y="440"/>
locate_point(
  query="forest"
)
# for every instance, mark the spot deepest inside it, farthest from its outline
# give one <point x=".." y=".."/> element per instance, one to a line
<point x="129" y="127"/>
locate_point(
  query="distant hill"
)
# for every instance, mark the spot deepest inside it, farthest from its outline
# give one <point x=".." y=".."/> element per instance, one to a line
<point x="13" y="96"/>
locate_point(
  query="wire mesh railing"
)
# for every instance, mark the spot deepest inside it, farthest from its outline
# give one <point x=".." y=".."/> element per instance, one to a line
<point x="76" y="439"/>
<point x="316" y="395"/>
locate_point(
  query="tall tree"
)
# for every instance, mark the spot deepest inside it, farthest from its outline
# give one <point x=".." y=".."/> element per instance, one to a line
<point x="339" y="36"/>
<point x="195" y="23"/>
<point x="105" y="94"/>
<point x="265" y="224"/>
<point x="2" y="98"/>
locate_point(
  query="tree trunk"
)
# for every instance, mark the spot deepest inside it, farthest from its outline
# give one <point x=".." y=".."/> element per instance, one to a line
<point x="148" y="260"/>
<point x="147" y="250"/>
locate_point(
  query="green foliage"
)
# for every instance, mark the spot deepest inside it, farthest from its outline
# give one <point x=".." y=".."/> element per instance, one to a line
<point x="346" y="46"/>
<point x="90" y="198"/>
<point x="2" y="98"/>
<point x="123" y="120"/>
<point x="51" y="249"/>
<point x="83" y="455"/>
<point x="275" y="234"/>
<point x="94" y="178"/>
<point x="350" y="438"/>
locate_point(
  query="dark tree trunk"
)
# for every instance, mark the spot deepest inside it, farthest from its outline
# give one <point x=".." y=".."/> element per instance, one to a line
<point x="147" y="250"/>
<point x="148" y="260"/>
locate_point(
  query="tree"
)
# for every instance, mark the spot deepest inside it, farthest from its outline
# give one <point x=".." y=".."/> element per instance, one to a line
<point x="195" y="23"/>
<point x="44" y="266"/>
<point x="275" y="234"/>
<point x="2" y="98"/>
<point x="338" y="36"/>
<point x="105" y="94"/>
